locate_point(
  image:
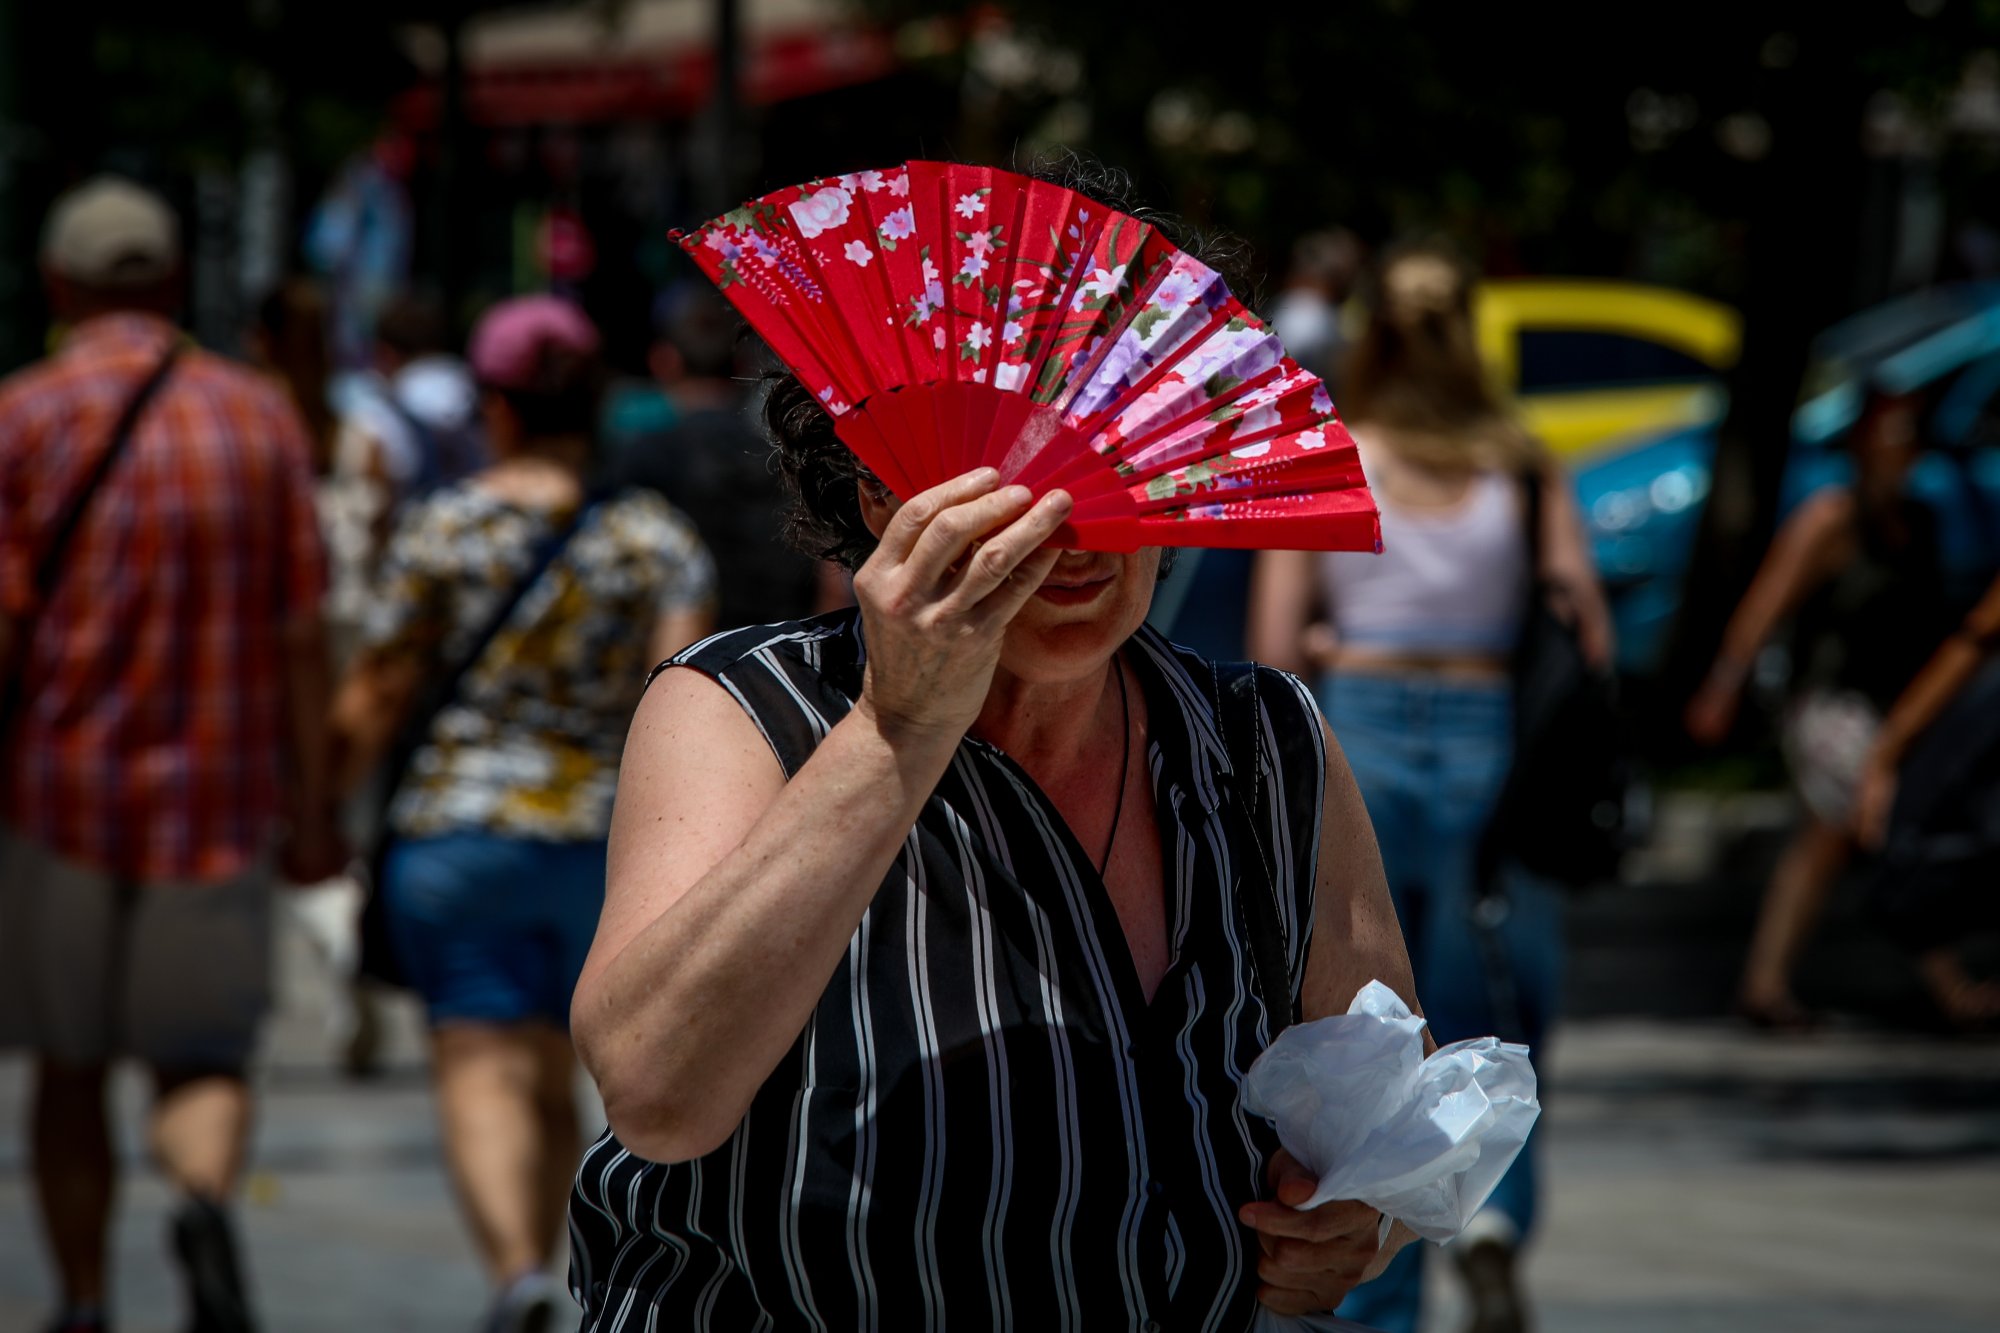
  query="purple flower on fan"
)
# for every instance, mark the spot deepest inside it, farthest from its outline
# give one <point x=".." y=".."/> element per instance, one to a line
<point x="973" y="266"/>
<point x="899" y="224"/>
<point x="1322" y="400"/>
<point x="1173" y="293"/>
<point x="761" y="246"/>
<point x="1010" y="332"/>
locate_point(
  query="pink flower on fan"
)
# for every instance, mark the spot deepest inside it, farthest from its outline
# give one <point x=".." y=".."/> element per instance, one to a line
<point x="1101" y="283"/>
<point x="821" y="210"/>
<point x="899" y="185"/>
<point x="979" y="242"/>
<point x="1312" y="439"/>
<point x="937" y="338"/>
<point x="833" y="404"/>
<point x="855" y="181"/>
<point x="899" y="224"/>
<point x="968" y="204"/>
<point x="858" y="253"/>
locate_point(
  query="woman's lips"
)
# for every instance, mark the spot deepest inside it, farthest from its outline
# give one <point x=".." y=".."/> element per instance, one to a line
<point x="1073" y="594"/>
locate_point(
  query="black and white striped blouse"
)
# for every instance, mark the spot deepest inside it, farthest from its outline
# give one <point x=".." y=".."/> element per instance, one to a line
<point x="984" y="1125"/>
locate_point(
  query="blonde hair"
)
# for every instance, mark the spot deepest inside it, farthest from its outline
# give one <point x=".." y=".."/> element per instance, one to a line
<point x="1415" y="369"/>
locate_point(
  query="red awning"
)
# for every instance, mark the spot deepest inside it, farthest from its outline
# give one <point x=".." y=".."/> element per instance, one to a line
<point x="669" y="85"/>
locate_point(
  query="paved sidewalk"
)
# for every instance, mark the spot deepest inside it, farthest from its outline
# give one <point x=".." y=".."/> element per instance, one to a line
<point x="1701" y="1177"/>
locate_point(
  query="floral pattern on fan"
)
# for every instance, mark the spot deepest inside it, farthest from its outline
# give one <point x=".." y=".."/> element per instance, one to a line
<point x="949" y="316"/>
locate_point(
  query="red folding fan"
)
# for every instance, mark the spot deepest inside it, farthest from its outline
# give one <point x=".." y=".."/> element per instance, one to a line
<point x="952" y="316"/>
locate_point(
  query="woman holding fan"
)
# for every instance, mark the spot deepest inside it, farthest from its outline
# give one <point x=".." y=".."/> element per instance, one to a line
<point x="928" y="1002"/>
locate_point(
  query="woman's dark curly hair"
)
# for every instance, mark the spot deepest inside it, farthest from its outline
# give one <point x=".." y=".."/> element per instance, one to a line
<point x="824" y="478"/>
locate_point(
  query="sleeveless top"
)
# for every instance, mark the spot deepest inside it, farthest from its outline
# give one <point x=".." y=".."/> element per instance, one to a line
<point x="1447" y="581"/>
<point x="984" y="1124"/>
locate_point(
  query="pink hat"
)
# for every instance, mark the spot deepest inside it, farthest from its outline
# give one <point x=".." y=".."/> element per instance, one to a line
<point x="512" y="339"/>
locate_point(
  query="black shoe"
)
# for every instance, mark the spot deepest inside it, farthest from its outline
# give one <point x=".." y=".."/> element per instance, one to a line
<point x="1488" y="1266"/>
<point x="206" y="1247"/>
<point x="80" y="1323"/>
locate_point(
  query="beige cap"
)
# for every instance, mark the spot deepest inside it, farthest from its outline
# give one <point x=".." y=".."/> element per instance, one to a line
<point x="108" y="232"/>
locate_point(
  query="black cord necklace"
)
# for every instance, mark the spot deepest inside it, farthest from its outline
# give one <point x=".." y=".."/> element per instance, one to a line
<point x="1124" y="767"/>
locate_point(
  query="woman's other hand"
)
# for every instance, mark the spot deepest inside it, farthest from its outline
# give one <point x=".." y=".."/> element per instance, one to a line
<point x="1713" y="713"/>
<point x="954" y="567"/>
<point x="1312" y="1257"/>
<point x="1874" y="799"/>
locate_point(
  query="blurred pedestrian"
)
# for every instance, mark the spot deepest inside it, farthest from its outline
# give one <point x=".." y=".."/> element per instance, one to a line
<point x="1942" y="865"/>
<point x="716" y="466"/>
<point x="531" y="608"/>
<point x="160" y="640"/>
<point x="406" y="426"/>
<point x="287" y="341"/>
<point x="1307" y="313"/>
<point x="1856" y="569"/>
<point x="1413" y="651"/>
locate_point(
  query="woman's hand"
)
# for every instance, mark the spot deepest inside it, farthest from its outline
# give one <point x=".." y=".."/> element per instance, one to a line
<point x="1312" y="1259"/>
<point x="954" y="567"/>
<point x="1712" y="712"/>
<point x="1874" y="799"/>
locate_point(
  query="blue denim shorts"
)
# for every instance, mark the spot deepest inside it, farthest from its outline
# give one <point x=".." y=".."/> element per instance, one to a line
<point x="492" y="929"/>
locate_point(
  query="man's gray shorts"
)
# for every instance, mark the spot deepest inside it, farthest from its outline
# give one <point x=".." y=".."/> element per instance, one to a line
<point x="176" y="975"/>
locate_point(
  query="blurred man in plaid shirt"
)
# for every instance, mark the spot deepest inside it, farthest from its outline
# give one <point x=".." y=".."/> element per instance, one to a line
<point x="163" y="697"/>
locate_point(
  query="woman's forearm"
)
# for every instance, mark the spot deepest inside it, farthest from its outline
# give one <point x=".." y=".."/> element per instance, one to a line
<point x="1948" y="672"/>
<point x="686" y="1022"/>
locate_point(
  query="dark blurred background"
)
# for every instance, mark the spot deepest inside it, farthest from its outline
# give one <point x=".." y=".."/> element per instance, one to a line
<point x="1710" y="233"/>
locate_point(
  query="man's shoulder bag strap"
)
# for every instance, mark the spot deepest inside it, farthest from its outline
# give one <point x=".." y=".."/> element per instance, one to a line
<point x="49" y="568"/>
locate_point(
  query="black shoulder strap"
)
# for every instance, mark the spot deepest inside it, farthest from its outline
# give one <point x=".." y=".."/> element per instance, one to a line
<point x="1236" y="714"/>
<point x="49" y="569"/>
<point x="1531" y="519"/>
<point x="416" y="728"/>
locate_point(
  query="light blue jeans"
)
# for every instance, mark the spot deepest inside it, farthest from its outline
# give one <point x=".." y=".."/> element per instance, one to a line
<point x="1430" y="757"/>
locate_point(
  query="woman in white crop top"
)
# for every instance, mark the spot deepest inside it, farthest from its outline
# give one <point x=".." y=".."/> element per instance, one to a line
<point x="1410" y="651"/>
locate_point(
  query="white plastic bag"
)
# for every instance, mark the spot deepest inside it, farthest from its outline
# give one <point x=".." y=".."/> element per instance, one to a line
<point x="1423" y="1140"/>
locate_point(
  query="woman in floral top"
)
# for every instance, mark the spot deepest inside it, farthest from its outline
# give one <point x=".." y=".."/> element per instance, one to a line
<point x="493" y="884"/>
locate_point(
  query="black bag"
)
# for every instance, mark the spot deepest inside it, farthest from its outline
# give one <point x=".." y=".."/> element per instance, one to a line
<point x="378" y="961"/>
<point x="1938" y="878"/>
<point x="49" y="568"/>
<point x="1566" y="812"/>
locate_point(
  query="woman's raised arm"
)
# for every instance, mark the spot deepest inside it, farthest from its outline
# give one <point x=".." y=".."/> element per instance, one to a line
<point x="731" y="894"/>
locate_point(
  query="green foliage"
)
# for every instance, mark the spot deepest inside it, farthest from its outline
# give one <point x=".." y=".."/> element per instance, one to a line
<point x="1555" y="137"/>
